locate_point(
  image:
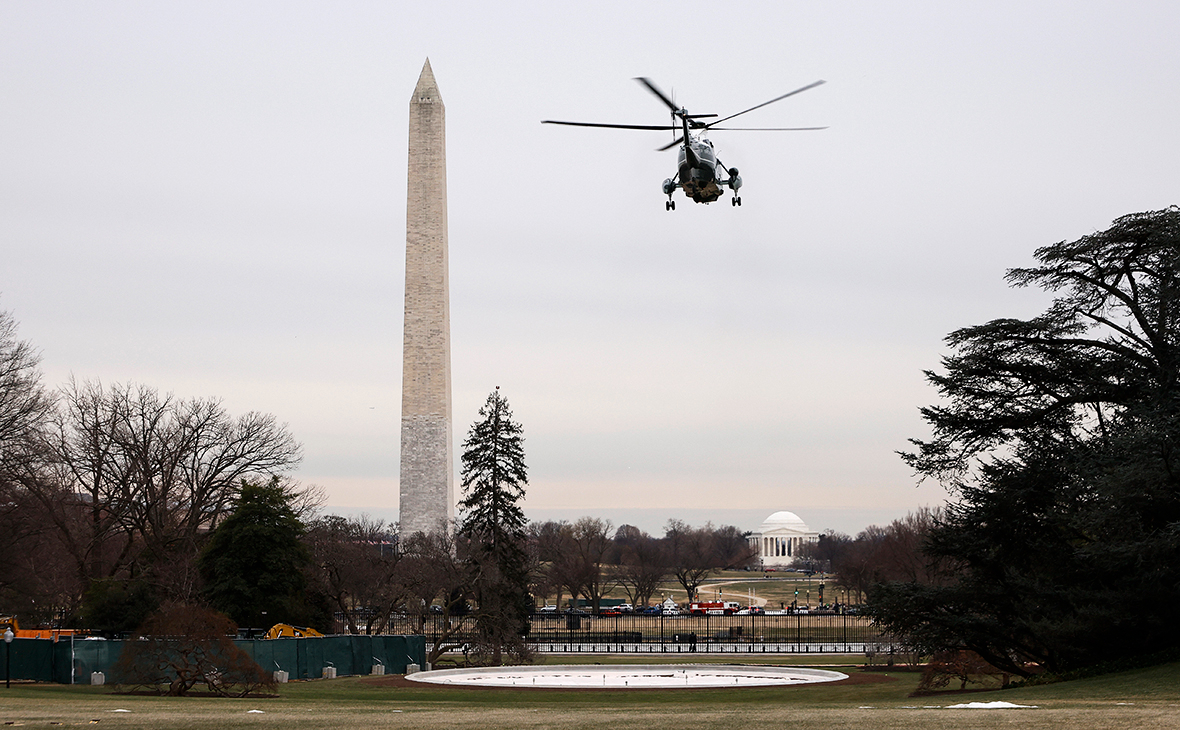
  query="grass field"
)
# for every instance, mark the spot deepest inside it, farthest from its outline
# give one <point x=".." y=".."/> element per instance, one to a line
<point x="1148" y="698"/>
<point x="777" y="588"/>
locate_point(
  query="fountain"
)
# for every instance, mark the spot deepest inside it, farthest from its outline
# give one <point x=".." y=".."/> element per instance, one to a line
<point x="628" y="676"/>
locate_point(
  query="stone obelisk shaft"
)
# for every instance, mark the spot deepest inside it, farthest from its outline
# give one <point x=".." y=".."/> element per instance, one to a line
<point x="427" y="481"/>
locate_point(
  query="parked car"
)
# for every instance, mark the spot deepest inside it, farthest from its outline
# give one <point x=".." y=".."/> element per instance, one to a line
<point x="626" y="608"/>
<point x="610" y="611"/>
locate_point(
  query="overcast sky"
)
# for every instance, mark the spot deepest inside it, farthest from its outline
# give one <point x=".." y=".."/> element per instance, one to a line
<point x="209" y="198"/>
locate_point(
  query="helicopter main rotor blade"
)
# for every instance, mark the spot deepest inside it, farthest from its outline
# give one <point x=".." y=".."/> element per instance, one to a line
<point x="777" y="98"/>
<point x="766" y="129"/>
<point x="656" y="90"/>
<point x="660" y="127"/>
<point x="680" y="140"/>
<point x="670" y="145"/>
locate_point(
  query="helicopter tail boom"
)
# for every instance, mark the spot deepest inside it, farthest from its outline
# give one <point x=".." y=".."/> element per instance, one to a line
<point x="690" y="154"/>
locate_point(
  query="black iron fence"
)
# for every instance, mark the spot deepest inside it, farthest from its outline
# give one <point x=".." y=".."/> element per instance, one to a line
<point x="626" y="633"/>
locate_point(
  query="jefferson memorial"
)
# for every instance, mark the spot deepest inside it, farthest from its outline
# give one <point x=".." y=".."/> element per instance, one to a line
<point x="778" y="540"/>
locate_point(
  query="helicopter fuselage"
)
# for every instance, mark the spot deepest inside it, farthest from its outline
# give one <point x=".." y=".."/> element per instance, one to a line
<point x="697" y="166"/>
<point x="697" y="170"/>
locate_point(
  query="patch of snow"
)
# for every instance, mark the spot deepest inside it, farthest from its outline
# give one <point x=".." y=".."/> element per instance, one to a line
<point x="260" y="712"/>
<point x="120" y="710"/>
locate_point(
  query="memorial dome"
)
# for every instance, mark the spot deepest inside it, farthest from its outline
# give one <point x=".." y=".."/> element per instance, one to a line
<point x="778" y="541"/>
<point x="782" y="519"/>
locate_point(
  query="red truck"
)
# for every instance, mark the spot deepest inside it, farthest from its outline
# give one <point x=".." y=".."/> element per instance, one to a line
<point x="713" y="608"/>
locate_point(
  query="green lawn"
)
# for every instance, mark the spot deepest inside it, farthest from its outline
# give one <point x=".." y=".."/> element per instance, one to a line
<point x="778" y="588"/>
<point x="1147" y="698"/>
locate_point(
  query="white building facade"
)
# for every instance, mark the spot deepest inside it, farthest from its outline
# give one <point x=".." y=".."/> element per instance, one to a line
<point x="778" y="540"/>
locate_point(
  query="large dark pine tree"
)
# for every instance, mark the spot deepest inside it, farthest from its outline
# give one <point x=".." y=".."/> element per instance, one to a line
<point x="1059" y="437"/>
<point x="253" y="565"/>
<point x="492" y="528"/>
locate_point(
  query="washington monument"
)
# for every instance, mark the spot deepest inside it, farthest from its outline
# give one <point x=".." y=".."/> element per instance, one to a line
<point x="427" y="483"/>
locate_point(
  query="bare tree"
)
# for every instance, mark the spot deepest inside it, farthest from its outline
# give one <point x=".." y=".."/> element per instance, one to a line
<point x="541" y="582"/>
<point x="182" y="646"/>
<point x="891" y="553"/>
<point x="24" y="404"/>
<point x="37" y="580"/>
<point x="732" y="548"/>
<point x="856" y="570"/>
<point x="32" y="581"/>
<point x="559" y="564"/>
<point x="355" y="563"/>
<point x="643" y="563"/>
<point x="827" y="551"/>
<point x="900" y="555"/>
<point x="433" y="572"/>
<point x="691" y="553"/>
<point x="589" y="541"/>
<point x="139" y="476"/>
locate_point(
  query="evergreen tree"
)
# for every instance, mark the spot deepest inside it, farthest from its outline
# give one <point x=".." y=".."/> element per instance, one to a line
<point x="493" y="529"/>
<point x="253" y="565"/>
<point x="1060" y="437"/>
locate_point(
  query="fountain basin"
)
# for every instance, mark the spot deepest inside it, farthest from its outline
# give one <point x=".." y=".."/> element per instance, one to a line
<point x="628" y="676"/>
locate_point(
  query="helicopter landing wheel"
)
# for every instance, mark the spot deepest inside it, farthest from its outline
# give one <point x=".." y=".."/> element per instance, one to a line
<point x="735" y="201"/>
<point x="670" y="205"/>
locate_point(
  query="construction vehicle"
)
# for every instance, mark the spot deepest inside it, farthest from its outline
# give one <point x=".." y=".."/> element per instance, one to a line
<point x="287" y="630"/>
<point x="10" y="622"/>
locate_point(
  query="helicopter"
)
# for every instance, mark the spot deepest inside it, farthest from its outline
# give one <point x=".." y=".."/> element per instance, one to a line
<point x="698" y="169"/>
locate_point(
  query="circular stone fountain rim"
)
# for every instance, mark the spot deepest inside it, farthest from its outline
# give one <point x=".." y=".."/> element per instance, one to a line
<point x="813" y="676"/>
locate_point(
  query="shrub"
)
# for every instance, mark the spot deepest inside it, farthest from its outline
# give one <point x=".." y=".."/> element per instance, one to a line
<point x="965" y="666"/>
<point x="182" y="646"/>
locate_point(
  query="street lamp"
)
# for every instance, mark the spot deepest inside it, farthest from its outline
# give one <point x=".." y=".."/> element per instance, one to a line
<point x="8" y="636"/>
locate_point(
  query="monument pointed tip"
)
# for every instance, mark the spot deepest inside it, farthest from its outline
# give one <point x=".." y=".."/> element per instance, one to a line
<point x="427" y="89"/>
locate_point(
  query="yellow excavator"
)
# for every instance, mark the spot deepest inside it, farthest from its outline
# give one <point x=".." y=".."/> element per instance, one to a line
<point x="10" y="622"/>
<point x="287" y="630"/>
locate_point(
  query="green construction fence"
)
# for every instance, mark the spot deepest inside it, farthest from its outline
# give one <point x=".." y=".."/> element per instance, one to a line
<point x="71" y="660"/>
